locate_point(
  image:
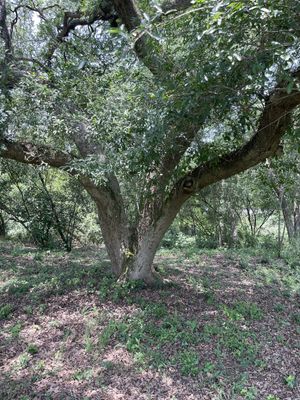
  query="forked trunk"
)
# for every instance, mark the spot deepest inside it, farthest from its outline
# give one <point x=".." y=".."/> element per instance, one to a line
<point x="139" y="264"/>
<point x="132" y="249"/>
<point x="131" y="256"/>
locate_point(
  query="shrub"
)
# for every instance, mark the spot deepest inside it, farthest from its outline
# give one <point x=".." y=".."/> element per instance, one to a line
<point x="246" y="239"/>
<point x="269" y="242"/>
<point x="32" y="349"/>
<point x="170" y="238"/>
<point x="183" y="241"/>
<point x="5" y="311"/>
<point x="291" y="254"/>
<point x="206" y="242"/>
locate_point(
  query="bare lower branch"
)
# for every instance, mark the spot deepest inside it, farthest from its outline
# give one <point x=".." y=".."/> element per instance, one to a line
<point x="29" y="153"/>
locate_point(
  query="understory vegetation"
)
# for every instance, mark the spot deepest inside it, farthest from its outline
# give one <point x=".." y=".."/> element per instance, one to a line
<point x="223" y="325"/>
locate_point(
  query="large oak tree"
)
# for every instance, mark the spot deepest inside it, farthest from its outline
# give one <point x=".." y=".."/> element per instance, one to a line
<point x="146" y="104"/>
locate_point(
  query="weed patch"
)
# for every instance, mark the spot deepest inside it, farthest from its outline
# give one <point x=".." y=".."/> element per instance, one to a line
<point x="239" y="341"/>
<point x="5" y="311"/>
<point x="242" y="310"/>
<point x="189" y="363"/>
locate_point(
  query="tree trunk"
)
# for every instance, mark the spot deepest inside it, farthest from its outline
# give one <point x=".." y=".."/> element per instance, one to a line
<point x="140" y="264"/>
<point x="116" y="237"/>
<point x="2" y="227"/>
<point x="119" y="237"/>
<point x="296" y="219"/>
<point x="150" y="231"/>
<point x="291" y="214"/>
<point x="131" y="255"/>
<point x="132" y="249"/>
<point x="288" y="217"/>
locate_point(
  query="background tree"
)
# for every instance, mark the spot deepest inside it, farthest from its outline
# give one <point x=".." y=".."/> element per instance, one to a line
<point x="284" y="180"/>
<point x="45" y="203"/>
<point x="2" y="226"/>
<point x="149" y="114"/>
<point x="230" y="213"/>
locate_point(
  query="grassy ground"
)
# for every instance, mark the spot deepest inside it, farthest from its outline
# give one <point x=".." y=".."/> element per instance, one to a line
<point x="226" y="326"/>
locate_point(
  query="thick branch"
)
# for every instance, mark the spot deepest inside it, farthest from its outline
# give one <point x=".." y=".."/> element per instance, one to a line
<point x="5" y="79"/>
<point x="152" y="56"/>
<point x="4" y="33"/>
<point x="73" y="20"/>
<point x="273" y="123"/>
<point x="29" y="153"/>
<point x="131" y="16"/>
<point x="175" y="5"/>
<point x="147" y="48"/>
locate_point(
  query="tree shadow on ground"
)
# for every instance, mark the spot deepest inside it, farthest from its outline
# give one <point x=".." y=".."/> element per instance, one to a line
<point x="210" y="329"/>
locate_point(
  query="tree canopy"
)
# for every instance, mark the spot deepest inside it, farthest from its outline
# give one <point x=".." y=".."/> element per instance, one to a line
<point x="147" y="103"/>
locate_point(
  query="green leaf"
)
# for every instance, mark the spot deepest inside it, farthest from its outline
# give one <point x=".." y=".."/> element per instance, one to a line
<point x="289" y="87"/>
<point x="114" y="31"/>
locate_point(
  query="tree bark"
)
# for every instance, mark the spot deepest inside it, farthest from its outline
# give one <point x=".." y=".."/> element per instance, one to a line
<point x="113" y="221"/>
<point x="297" y="219"/>
<point x="2" y="227"/>
<point x="288" y="217"/>
<point x="131" y="249"/>
<point x="290" y="211"/>
<point x="148" y="235"/>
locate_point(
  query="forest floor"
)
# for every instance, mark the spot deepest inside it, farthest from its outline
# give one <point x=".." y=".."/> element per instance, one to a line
<point x="224" y="326"/>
